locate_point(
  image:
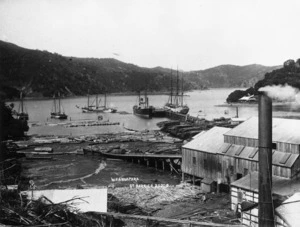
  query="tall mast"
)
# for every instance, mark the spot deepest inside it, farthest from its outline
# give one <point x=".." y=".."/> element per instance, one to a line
<point x="88" y="104"/>
<point x="177" y="87"/>
<point x="105" y="100"/>
<point x="146" y="98"/>
<point x="54" y="103"/>
<point x="181" y="89"/>
<point x="96" y="101"/>
<point x="139" y="98"/>
<point x="21" y="97"/>
<point x="171" y="88"/>
<point x="58" y="102"/>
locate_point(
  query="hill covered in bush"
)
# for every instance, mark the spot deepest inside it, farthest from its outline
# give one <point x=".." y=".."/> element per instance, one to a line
<point x="232" y="75"/>
<point x="41" y="74"/>
<point x="289" y="74"/>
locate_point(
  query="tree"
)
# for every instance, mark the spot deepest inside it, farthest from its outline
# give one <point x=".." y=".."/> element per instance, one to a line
<point x="10" y="128"/>
<point x="289" y="65"/>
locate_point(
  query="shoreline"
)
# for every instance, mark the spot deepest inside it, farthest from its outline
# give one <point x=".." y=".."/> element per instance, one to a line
<point x="236" y="104"/>
<point x="129" y="93"/>
<point x="253" y="104"/>
<point x="33" y="98"/>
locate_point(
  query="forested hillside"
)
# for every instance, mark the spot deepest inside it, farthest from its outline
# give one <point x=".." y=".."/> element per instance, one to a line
<point x="232" y="75"/>
<point x="41" y="74"/>
<point x="288" y="74"/>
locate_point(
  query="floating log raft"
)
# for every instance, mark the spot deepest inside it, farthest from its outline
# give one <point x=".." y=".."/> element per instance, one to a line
<point x="44" y="149"/>
<point x="107" y="123"/>
<point x="38" y="157"/>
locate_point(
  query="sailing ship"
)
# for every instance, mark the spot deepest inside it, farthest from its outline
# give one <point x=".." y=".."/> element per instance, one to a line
<point x="107" y="109"/>
<point x="95" y="107"/>
<point x="22" y="114"/>
<point x="143" y="109"/>
<point x="90" y="108"/>
<point x="57" y="110"/>
<point x="175" y="101"/>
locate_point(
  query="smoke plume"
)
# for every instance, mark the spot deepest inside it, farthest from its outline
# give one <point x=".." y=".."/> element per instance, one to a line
<point x="281" y="92"/>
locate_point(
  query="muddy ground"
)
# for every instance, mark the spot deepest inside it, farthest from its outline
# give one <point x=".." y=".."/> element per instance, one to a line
<point x="165" y="197"/>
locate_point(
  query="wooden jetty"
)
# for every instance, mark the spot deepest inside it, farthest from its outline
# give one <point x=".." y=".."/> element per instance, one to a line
<point x="151" y="160"/>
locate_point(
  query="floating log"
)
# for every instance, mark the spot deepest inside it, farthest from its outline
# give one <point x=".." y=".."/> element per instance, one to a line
<point x="44" y="149"/>
<point x="93" y="124"/>
<point x="38" y="158"/>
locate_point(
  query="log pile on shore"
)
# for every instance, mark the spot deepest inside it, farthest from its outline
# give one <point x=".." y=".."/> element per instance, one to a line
<point x="45" y="148"/>
<point x="144" y="136"/>
<point x="136" y="147"/>
<point x="153" y="198"/>
<point x="181" y="202"/>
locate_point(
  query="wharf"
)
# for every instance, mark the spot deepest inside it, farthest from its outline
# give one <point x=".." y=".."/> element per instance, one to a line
<point x="131" y="156"/>
<point x="154" y="160"/>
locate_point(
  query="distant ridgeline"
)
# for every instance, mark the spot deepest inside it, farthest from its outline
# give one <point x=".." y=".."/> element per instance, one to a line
<point x="41" y="74"/>
<point x="289" y="74"/>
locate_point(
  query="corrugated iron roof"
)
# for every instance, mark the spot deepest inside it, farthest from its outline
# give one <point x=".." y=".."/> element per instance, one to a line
<point x="281" y="186"/>
<point x="233" y="150"/>
<point x="284" y="130"/>
<point x="251" y="153"/>
<point x="211" y="141"/>
<point x="284" y="159"/>
<point x="289" y="210"/>
<point x="199" y="134"/>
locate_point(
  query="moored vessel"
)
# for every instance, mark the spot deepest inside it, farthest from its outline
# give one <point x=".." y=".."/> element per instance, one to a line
<point x="57" y="110"/>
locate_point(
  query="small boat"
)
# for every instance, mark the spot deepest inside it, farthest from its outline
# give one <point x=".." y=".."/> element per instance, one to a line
<point x="175" y="102"/>
<point x="57" y="110"/>
<point x="22" y="114"/>
<point x="95" y="107"/>
<point x="143" y="109"/>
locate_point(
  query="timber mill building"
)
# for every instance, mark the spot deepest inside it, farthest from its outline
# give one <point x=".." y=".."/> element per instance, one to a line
<point x="223" y="158"/>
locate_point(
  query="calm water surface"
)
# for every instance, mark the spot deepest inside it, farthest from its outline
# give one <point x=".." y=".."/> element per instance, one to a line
<point x="202" y="104"/>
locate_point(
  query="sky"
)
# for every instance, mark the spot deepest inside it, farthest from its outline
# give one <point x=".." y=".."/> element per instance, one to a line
<point x="188" y="34"/>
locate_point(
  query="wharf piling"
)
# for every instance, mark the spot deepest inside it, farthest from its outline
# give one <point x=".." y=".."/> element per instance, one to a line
<point x="158" y="161"/>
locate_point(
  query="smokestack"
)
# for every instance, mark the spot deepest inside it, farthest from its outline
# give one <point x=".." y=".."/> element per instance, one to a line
<point x="265" y="205"/>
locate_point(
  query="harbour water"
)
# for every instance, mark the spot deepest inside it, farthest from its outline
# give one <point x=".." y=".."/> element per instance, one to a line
<point x="203" y="104"/>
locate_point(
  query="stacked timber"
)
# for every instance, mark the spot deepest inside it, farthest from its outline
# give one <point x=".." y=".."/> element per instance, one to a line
<point x="152" y="197"/>
<point x="135" y="148"/>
